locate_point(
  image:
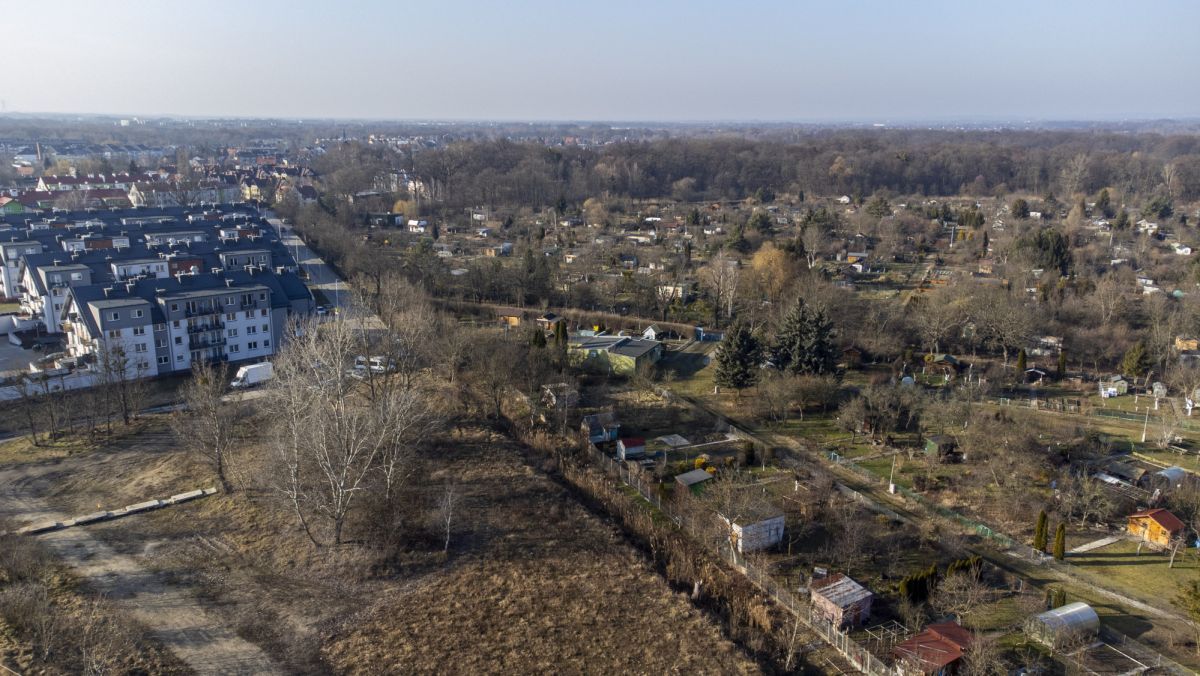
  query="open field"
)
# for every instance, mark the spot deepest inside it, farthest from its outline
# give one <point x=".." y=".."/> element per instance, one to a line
<point x="529" y="571"/>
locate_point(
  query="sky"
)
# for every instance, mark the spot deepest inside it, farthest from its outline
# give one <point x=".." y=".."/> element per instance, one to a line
<point x="884" y="61"/>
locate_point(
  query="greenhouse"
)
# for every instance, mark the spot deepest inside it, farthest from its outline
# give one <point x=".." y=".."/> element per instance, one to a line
<point x="1064" y="624"/>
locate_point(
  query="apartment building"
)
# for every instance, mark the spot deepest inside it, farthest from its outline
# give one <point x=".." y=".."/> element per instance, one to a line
<point x="166" y="325"/>
<point x="161" y="287"/>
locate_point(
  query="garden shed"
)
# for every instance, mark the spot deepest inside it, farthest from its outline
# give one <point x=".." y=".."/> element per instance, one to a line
<point x="755" y="529"/>
<point x="839" y="600"/>
<point x="693" y="480"/>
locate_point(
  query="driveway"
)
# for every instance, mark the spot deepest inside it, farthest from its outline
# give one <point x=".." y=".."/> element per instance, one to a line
<point x="13" y="358"/>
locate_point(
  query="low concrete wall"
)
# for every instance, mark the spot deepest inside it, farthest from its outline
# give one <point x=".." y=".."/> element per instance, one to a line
<point x="97" y="517"/>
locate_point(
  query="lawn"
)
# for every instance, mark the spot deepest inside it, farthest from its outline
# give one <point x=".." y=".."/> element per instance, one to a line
<point x="1146" y="576"/>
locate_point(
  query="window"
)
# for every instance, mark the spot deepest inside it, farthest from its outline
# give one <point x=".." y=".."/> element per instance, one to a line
<point x="76" y="276"/>
<point x="249" y="314"/>
<point x="229" y="300"/>
<point x="115" y="316"/>
<point x="233" y="348"/>
<point x="139" y="347"/>
<point x="160" y="327"/>
<point x="233" y="333"/>
<point x="58" y="306"/>
<point x="138" y="314"/>
<point x="160" y="343"/>
<point x="262" y="296"/>
<point x="139" y="330"/>
<point x="266" y="328"/>
<point x="231" y="317"/>
<point x="251" y="329"/>
<point x="163" y="360"/>
<point x="175" y="323"/>
<point x="114" y="333"/>
<point x="264" y="312"/>
<point x="178" y="357"/>
<point x="179" y="340"/>
<point x="252" y="345"/>
<point x="266" y="343"/>
<point x="175" y="308"/>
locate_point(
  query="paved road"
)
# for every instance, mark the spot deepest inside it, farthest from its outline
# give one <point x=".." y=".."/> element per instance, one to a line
<point x="172" y="614"/>
<point x="323" y="277"/>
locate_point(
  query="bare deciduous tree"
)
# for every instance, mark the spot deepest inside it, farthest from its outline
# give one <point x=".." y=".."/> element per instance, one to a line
<point x="961" y="594"/>
<point x="335" y="431"/>
<point x="208" y="426"/>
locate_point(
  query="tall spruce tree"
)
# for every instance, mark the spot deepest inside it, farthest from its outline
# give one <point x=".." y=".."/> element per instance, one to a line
<point x="804" y="344"/>
<point x="739" y="358"/>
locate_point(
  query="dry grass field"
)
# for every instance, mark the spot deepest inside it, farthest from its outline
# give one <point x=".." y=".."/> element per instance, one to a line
<point x="532" y="582"/>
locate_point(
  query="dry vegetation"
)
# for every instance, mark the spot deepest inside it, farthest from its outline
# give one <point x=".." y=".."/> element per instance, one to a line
<point x="532" y="581"/>
<point x="50" y="625"/>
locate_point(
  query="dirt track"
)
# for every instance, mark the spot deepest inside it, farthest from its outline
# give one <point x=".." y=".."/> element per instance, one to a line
<point x="173" y="615"/>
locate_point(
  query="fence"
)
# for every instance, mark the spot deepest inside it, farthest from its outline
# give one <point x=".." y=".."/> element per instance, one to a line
<point x="858" y="655"/>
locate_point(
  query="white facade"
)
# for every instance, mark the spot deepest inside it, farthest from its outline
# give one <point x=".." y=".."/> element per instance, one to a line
<point x="755" y="535"/>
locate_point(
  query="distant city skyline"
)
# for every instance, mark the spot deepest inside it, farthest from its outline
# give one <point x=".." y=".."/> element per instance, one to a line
<point x="867" y="61"/>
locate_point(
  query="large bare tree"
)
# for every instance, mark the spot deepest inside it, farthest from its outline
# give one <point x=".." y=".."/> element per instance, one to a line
<point x="207" y="426"/>
<point x="338" y="437"/>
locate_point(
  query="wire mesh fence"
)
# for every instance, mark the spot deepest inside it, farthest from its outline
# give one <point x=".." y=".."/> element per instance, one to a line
<point x="798" y="607"/>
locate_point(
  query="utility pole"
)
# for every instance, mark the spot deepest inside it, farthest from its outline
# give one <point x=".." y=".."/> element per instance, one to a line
<point x="1146" y="424"/>
<point x="892" y="477"/>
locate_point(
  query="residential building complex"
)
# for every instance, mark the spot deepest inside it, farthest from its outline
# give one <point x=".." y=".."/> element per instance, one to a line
<point x="163" y="288"/>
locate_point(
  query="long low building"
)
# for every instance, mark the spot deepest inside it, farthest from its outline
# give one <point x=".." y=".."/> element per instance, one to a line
<point x="622" y="355"/>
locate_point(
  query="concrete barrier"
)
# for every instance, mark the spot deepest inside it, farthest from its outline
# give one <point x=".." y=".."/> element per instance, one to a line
<point x="96" y="517"/>
<point x="184" y="497"/>
<point x="92" y="518"/>
<point x="36" y="528"/>
<point x="143" y="506"/>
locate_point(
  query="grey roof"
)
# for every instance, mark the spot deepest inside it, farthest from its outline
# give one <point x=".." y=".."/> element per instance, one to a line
<point x="841" y="591"/>
<point x="623" y="345"/>
<point x="693" y="477"/>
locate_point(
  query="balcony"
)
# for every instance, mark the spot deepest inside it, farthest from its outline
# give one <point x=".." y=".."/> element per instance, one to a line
<point x="205" y="344"/>
<point x="205" y="328"/>
<point x="202" y="311"/>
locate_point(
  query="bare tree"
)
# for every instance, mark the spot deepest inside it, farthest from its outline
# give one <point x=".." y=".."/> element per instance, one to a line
<point x="333" y="431"/>
<point x="982" y="657"/>
<point x="961" y="594"/>
<point x="444" y="515"/>
<point x="208" y="426"/>
<point x="721" y="278"/>
<point x="123" y="378"/>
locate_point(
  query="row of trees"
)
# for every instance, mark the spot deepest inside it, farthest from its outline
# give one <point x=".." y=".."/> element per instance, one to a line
<point x="830" y="162"/>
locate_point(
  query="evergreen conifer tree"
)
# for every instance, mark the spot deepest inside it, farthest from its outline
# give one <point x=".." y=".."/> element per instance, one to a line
<point x="739" y="358"/>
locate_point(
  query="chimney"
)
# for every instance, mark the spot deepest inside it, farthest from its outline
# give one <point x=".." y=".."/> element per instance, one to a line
<point x="229" y="283"/>
<point x="108" y="291"/>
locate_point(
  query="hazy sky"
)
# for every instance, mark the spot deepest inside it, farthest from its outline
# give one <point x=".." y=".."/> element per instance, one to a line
<point x="887" y="60"/>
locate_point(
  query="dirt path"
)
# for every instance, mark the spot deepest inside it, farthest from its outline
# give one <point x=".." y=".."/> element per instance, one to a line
<point x="173" y="615"/>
